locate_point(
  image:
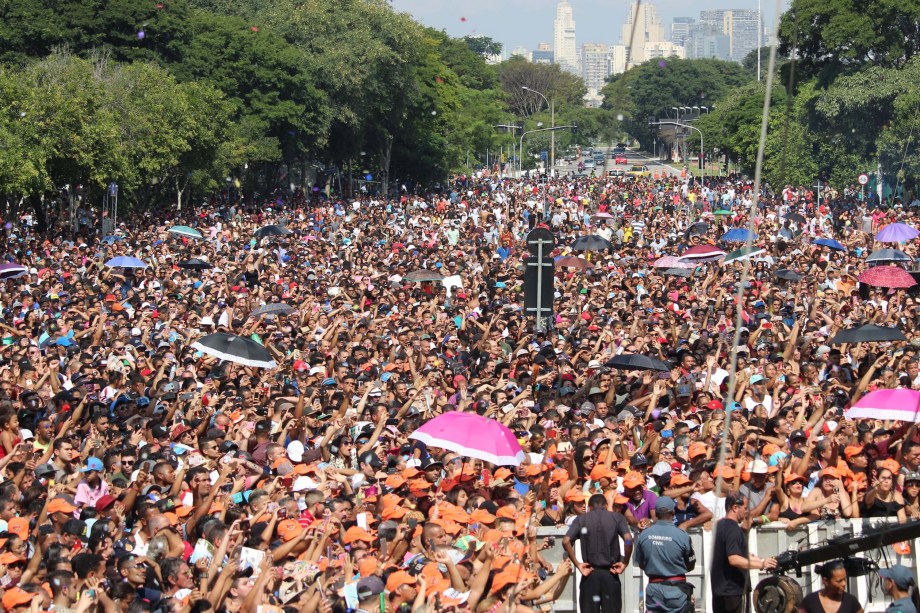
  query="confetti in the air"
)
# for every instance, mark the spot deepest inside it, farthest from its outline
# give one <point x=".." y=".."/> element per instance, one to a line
<point x="463" y="19"/>
<point x="620" y="117"/>
<point x="141" y="34"/>
<point x="254" y="28"/>
<point x="662" y="63"/>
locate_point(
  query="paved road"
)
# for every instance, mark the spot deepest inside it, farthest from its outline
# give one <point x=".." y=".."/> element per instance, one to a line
<point x="634" y="157"/>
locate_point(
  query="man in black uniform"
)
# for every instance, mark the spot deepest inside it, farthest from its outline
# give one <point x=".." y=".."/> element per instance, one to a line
<point x="665" y="553"/>
<point x="600" y="532"/>
<point x="729" y="579"/>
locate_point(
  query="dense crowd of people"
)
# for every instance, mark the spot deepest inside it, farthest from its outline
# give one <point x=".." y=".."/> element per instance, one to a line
<point x="142" y="474"/>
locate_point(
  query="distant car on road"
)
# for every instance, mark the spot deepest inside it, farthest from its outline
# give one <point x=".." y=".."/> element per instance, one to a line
<point x="616" y="172"/>
<point x="621" y="159"/>
<point x="639" y="171"/>
<point x="619" y="150"/>
<point x="589" y="163"/>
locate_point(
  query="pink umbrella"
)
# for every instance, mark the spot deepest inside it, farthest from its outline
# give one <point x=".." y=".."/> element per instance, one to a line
<point x="672" y="261"/>
<point x="899" y="404"/>
<point x="473" y="436"/>
<point x="893" y="277"/>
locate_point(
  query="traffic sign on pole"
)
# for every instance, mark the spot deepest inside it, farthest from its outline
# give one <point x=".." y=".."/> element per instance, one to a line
<point x="863" y="179"/>
<point x="538" y="276"/>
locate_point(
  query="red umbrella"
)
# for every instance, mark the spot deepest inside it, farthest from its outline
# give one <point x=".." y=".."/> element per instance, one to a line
<point x="574" y="262"/>
<point x="893" y="277"/>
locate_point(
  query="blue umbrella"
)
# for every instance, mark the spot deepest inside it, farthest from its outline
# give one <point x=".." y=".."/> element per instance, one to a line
<point x="738" y="235"/>
<point x="124" y="261"/>
<point x="829" y="243"/>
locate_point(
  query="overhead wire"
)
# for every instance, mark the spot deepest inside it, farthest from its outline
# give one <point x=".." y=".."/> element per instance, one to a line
<point x="746" y="266"/>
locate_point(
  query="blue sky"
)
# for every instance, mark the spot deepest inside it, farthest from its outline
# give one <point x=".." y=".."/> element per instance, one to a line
<point x="528" y="22"/>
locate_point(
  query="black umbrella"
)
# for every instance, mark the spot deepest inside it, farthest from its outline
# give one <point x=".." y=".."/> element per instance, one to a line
<point x="869" y="333"/>
<point x="888" y="255"/>
<point x="272" y="309"/>
<point x="796" y="217"/>
<point x="592" y="242"/>
<point x="272" y="230"/>
<point x="788" y="275"/>
<point x="635" y="361"/>
<point x="236" y="349"/>
<point x="698" y="228"/>
<point x="195" y="264"/>
<point x="679" y="272"/>
<point x="420" y="276"/>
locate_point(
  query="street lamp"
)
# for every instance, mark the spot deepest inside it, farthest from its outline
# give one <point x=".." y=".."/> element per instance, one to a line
<point x="552" y="112"/>
<point x="705" y="108"/>
<point x="685" y="125"/>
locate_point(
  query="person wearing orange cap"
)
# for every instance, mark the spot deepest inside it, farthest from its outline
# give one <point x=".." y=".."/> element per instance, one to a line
<point x="402" y="589"/>
<point x="829" y="497"/>
<point x="600" y="532"/>
<point x="16" y="600"/>
<point x="689" y="510"/>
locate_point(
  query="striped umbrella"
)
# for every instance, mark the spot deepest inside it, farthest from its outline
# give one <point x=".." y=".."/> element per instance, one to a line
<point x="185" y="231"/>
<point x="702" y="253"/>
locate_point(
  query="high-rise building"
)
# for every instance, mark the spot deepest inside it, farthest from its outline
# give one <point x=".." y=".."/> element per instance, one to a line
<point x="542" y="55"/>
<point x="523" y="52"/>
<point x="642" y="26"/>
<point x="595" y="66"/>
<point x="663" y="49"/>
<point x="565" y="52"/>
<point x="680" y="29"/>
<point x="617" y="59"/>
<point x="740" y="25"/>
<point x="706" y="41"/>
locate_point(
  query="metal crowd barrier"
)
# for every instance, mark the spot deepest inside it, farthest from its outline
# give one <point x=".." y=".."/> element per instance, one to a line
<point x="764" y="541"/>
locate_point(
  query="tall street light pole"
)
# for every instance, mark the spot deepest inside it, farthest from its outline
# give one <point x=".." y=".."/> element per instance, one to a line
<point x="552" y="111"/>
<point x="759" y="35"/>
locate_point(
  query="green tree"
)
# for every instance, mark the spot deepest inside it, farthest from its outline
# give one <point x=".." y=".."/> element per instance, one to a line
<point x="483" y="46"/>
<point x="563" y="87"/>
<point x="832" y="36"/>
<point x="649" y="90"/>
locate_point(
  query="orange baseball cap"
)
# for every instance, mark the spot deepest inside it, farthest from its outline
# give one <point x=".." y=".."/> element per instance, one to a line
<point x="395" y="481"/>
<point x="632" y="480"/>
<point x="289" y="529"/>
<point x="679" y="480"/>
<point x="511" y="574"/>
<point x="398" y="579"/>
<point x="367" y="566"/>
<point x="853" y="450"/>
<point x="726" y="472"/>
<point x="891" y="464"/>
<point x="829" y="472"/>
<point x="59" y="505"/>
<point x="481" y="516"/>
<point x="696" y="449"/>
<point x="395" y="512"/>
<point x="770" y="448"/>
<point x="574" y="495"/>
<point x="502" y="474"/>
<point x="600" y="471"/>
<point x="8" y="557"/>
<point x="560" y="475"/>
<point x="620" y="499"/>
<point x="507" y="511"/>
<point x="357" y="533"/>
<point x="14" y="597"/>
<point x="19" y="526"/>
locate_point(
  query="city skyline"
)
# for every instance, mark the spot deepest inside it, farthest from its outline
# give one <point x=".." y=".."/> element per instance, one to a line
<point x="526" y="23"/>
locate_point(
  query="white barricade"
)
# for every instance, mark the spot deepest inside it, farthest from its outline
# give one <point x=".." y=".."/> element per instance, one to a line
<point x="765" y="541"/>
